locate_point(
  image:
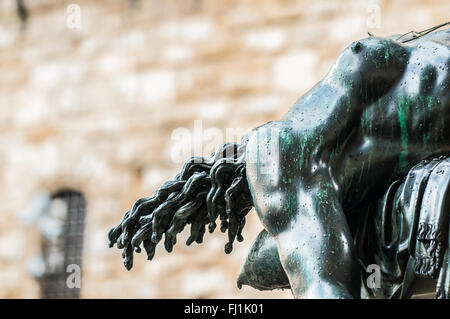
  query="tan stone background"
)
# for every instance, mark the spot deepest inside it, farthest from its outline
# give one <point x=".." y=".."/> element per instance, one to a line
<point x="94" y="109"/>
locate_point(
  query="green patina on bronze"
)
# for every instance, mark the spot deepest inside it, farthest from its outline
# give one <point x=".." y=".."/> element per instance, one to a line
<point x="404" y="118"/>
<point x="349" y="152"/>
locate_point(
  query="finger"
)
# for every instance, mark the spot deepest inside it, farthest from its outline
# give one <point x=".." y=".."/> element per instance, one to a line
<point x="119" y="242"/>
<point x="127" y="256"/>
<point x="143" y="233"/>
<point x="168" y="243"/>
<point x="115" y="232"/>
<point x="186" y="213"/>
<point x="233" y="225"/>
<point x="149" y="247"/>
<point x="164" y="213"/>
<point x="145" y="207"/>
<point x="129" y="225"/>
<point x="223" y="226"/>
<point x="200" y="235"/>
<point x="239" y="236"/>
<point x="198" y="222"/>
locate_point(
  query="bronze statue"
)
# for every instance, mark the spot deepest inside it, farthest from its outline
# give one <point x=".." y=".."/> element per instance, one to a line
<point x="354" y="174"/>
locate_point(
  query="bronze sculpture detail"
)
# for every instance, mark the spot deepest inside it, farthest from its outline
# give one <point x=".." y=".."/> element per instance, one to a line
<point x="355" y="173"/>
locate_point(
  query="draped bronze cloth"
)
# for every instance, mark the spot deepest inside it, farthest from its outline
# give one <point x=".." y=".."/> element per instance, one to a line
<point x="406" y="232"/>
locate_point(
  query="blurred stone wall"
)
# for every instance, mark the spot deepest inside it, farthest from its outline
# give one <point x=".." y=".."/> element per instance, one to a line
<point x="94" y="108"/>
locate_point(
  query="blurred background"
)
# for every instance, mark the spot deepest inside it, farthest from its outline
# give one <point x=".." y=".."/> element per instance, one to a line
<point x="91" y="93"/>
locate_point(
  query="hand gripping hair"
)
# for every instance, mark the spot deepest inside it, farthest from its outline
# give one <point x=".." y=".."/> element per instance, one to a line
<point x="206" y="189"/>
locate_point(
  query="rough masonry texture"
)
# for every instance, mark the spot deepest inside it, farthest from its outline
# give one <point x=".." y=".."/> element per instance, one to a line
<point x="94" y="108"/>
